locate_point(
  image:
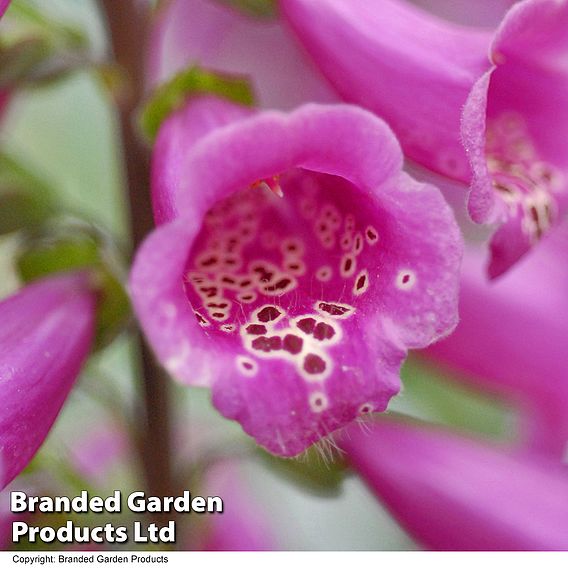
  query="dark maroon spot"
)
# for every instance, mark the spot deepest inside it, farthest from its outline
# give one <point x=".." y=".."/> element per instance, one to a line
<point x="210" y="291"/>
<point x="282" y="284"/>
<point x="314" y="364"/>
<point x="307" y="325"/>
<point x="247" y="297"/>
<point x="248" y="366"/>
<point x="256" y="329"/>
<point x="347" y="264"/>
<point x="293" y="344"/>
<point x="323" y="331"/>
<point x="264" y="275"/>
<point x="230" y="261"/>
<point x="228" y="280"/>
<point x="502" y="187"/>
<point x="220" y="306"/>
<point x="200" y="318"/>
<point x="269" y="313"/>
<point x="267" y="344"/>
<point x="323" y="227"/>
<point x="245" y="283"/>
<point x="372" y="235"/>
<point x="275" y="343"/>
<point x="218" y="315"/>
<point x="405" y="278"/>
<point x="333" y="309"/>
<point x="212" y="260"/>
<point x="293" y="266"/>
<point x="361" y="282"/>
<point x="358" y="243"/>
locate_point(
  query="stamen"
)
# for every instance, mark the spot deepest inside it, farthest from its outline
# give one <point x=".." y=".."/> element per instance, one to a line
<point x="271" y="184"/>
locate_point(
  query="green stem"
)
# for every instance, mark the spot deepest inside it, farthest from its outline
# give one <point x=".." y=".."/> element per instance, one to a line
<point x="128" y="22"/>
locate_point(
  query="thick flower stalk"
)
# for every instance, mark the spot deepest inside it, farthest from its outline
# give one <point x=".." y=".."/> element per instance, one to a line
<point x="453" y="493"/>
<point x="511" y="339"/>
<point x="418" y="72"/>
<point x="295" y="265"/>
<point x="46" y="331"/>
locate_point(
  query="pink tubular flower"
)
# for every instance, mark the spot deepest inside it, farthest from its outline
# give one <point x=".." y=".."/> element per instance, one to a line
<point x="3" y="6"/>
<point x="513" y="130"/>
<point x="45" y="336"/>
<point x="295" y="265"/>
<point x="512" y="338"/>
<point x="418" y="72"/>
<point x="453" y="493"/>
<point x="221" y="38"/>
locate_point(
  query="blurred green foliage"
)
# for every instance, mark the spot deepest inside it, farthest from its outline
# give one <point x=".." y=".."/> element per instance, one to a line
<point x="193" y="81"/>
<point x="73" y="246"/>
<point x="256" y="8"/>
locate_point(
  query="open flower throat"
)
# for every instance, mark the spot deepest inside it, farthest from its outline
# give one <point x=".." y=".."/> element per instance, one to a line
<point x="296" y="297"/>
<point x="282" y="269"/>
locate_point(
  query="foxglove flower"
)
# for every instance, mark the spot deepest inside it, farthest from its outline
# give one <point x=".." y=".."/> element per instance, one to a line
<point x="45" y="336"/>
<point x="294" y="267"/>
<point x="220" y="38"/>
<point x="453" y="493"/>
<point x="511" y="339"/>
<point x="418" y="72"/>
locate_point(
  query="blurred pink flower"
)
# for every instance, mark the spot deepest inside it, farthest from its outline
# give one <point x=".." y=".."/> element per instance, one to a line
<point x="418" y="71"/>
<point x="221" y="38"/>
<point x="453" y="493"/>
<point x="45" y="336"/>
<point x="244" y="524"/>
<point x="100" y="451"/>
<point x="3" y="6"/>
<point x="511" y="338"/>
<point x="481" y="13"/>
<point x="295" y="265"/>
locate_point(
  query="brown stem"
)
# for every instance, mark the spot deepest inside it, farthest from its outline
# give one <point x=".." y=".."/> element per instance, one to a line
<point x="128" y="25"/>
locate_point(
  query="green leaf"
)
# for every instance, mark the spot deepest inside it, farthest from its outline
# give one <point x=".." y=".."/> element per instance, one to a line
<point x="73" y="246"/>
<point x="38" y="50"/>
<point x="19" y="209"/>
<point x="35" y="61"/>
<point x="315" y="472"/>
<point x="19" y="60"/>
<point x="34" y="21"/>
<point x="256" y="8"/>
<point x="190" y="82"/>
<point x="25" y="200"/>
